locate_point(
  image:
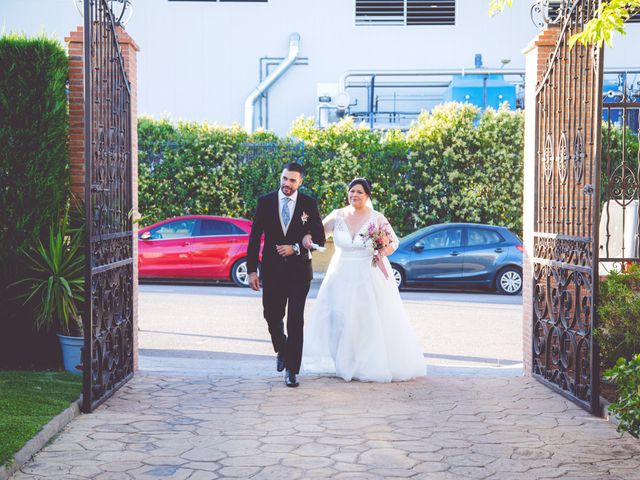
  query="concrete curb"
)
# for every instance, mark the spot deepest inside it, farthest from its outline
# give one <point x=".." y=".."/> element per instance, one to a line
<point x="34" y="445"/>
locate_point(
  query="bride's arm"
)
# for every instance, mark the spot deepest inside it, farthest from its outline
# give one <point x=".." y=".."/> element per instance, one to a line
<point x="328" y="223"/>
<point x="393" y="238"/>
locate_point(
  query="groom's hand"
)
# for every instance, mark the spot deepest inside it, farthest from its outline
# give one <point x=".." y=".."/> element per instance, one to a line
<point x="285" y="250"/>
<point x="254" y="281"/>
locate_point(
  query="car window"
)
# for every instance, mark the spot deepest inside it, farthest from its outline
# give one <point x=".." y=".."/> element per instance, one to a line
<point x="175" y="229"/>
<point x="447" y="238"/>
<point x="483" y="236"/>
<point x="415" y="236"/>
<point x="218" y="227"/>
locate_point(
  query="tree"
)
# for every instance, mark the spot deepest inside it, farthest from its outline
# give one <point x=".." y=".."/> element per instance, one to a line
<point x="610" y="19"/>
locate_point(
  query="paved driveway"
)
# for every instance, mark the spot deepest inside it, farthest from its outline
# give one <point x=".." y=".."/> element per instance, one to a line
<point x="208" y="404"/>
<point x="199" y="428"/>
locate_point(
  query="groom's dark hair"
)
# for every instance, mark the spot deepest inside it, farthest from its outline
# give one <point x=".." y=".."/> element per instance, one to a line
<point x="294" y="167"/>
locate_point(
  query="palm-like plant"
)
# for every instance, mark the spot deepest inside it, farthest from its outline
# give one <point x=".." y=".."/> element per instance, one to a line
<point x="55" y="282"/>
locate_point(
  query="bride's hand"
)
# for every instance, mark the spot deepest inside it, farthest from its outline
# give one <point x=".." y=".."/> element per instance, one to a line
<point x="386" y="250"/>
<point x="307" y="241"/>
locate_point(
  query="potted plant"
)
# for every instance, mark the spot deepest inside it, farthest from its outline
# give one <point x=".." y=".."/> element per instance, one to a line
<point x="618" y="332"/>
<point x="54" y="286"/>
<point x="626" y="375"/>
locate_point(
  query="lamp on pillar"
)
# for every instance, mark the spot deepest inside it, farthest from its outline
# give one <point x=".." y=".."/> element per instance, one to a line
<point x="121" y="9"/>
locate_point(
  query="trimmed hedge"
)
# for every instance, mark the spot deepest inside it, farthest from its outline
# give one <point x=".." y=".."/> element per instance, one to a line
<point x="34" y="166"/>
<point x="191" y="168"/>
<point x="342" y="151"/>
<point x="452" y="165"/>
<point x="468" y="168"/>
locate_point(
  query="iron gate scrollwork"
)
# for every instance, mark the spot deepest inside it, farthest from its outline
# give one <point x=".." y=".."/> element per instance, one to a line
<point x="108" y="320"/>
<point x="565" y="263"/>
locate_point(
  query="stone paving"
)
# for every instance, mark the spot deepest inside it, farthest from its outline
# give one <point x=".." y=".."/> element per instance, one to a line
<point x="202" y="428"/>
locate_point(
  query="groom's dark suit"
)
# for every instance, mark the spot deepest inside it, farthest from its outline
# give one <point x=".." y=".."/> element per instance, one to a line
<point x="285" y="280"/>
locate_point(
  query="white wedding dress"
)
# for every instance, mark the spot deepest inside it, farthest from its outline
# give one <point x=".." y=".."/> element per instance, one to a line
<point x="358" y="328"/>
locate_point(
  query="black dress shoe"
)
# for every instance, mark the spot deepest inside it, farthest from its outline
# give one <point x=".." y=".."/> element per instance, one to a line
<point x="291" y="379"/>
<point x="280" y="362"/>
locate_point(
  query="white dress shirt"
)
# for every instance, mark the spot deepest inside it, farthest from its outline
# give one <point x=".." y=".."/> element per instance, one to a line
<point x="292" y="207"/>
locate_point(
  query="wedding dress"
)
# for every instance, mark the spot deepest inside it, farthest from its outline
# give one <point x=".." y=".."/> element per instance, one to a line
<point x="358" y="328"/>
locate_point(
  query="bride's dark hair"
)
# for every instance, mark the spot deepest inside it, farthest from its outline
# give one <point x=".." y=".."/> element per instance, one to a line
<point x="362" y="182"/>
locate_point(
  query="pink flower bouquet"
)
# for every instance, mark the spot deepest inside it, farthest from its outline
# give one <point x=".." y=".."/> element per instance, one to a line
<point x="380" y="236"/>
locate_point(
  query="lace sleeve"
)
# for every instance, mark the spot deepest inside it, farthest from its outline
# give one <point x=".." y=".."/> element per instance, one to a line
<point x="394" y="242"/>
<point x="329" y="222"/>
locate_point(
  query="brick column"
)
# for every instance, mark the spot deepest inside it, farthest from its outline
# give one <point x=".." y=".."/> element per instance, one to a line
<point x="76" y="111"/>
<point x="129" y="49"/>
<point x="537" y="53"/>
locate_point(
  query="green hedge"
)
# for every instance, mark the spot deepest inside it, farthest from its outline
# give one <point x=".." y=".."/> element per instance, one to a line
<point x="452" y="165"/>
<point x="468" y="169"/>
<point x="34" y="166"/>
<point x="342" y="151"/>
<point x="191" y="168"/>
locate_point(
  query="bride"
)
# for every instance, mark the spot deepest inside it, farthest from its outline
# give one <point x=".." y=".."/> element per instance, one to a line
<point x="358" y="328"/>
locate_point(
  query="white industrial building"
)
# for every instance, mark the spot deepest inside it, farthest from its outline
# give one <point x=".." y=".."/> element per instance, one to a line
<point x="202" y="60"/>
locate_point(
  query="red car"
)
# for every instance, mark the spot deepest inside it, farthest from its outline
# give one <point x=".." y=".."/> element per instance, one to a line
<point x="195" y="247"/>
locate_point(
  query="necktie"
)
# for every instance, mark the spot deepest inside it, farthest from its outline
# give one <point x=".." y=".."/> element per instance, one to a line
<point x="286" y="215"/>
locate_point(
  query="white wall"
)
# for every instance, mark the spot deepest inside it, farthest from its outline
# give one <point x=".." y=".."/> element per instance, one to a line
<point x="200" y="60"/>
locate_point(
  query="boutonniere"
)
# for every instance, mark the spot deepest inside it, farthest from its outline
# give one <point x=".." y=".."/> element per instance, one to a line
<point x="304" y="217"/>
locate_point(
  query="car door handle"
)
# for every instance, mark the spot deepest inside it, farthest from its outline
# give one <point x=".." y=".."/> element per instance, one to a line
<point x="454" y="254"/>
<point x="499" y="250"/>
<point x="186" y="244"/>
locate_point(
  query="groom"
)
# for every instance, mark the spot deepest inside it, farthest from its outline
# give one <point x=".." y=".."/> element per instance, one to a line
<point x="289" y="220"/>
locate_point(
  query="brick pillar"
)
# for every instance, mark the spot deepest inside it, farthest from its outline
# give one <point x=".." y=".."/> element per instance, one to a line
<point x="129" y="49"/>
<point x="76" y="111"/>
<point x="537" y="53"/>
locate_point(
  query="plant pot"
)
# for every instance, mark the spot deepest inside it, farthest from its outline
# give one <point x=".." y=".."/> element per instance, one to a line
<point x="72" y="353"/>
<point x="608" y="390"/>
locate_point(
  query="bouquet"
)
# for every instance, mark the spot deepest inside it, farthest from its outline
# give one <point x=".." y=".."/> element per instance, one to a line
<point x="380" y="236"/>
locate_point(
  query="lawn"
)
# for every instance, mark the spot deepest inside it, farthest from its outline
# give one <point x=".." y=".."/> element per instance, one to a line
<point x="28" y="400"/>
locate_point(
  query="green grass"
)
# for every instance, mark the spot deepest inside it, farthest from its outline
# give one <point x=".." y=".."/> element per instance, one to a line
<point x="28" y="400"/>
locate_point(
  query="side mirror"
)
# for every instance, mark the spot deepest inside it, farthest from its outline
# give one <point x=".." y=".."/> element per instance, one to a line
<point x="145" y="235"/>
<point x="418" y="246"/>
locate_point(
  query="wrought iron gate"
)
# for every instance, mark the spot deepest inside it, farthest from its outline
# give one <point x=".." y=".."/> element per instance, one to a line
<point x="565" y="263"/>
<point x="620" y="175"/>
<point x="108" y="320"/>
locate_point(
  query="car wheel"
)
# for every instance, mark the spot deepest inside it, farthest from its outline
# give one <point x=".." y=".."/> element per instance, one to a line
<point x="239" y="273"/>
<point x="509" y="281"/>
<point x="398" y="275"/>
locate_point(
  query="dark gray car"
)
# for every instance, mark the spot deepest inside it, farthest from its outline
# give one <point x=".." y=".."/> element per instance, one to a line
<point x="460" y="254"/>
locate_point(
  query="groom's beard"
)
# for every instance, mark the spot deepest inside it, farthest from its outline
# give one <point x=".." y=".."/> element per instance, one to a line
<point x="287" y="190"/>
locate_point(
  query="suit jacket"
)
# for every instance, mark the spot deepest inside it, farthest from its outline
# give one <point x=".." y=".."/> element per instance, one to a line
<point x="267" y="221"/>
